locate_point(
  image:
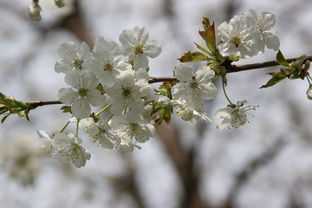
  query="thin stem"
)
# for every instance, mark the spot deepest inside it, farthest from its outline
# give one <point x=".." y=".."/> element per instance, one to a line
<point x="103" y="109"/>
<point x="77" y="127"/>
<point x="64" y="126"/>
<point x="109" y="118"/>
<point x="35" y="104"/>
<point x="308" y="78"/>
<point x="161" y="79"/>
<point x="226" y="96"/>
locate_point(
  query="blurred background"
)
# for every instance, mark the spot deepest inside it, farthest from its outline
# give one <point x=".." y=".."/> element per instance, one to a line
<point x="267" y="163"/>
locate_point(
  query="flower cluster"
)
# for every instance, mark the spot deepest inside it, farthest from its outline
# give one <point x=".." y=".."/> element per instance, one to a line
<point x="247" y="34"/>
<point x="234" y="115"/>
<point x="115" y="78"/>
<point x="191" y="90"/>
<point x="112" y="76"/>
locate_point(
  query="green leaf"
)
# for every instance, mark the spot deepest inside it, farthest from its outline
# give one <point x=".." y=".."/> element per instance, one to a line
<point x="233" y="58"/>
<point x="162" y="113"/>
<point x="190" y="56"/>
<point x="281" y="59"/>
<point x="299" y="62"/>
<point x="277" y="77"/>
<point x="202" y="48"/>
<point x="59" y="3"/>
<point x="209" y="35"/>
<point x="4" y="118"/>
<point x="66" y="109"/>
<point x="165" y="89"/>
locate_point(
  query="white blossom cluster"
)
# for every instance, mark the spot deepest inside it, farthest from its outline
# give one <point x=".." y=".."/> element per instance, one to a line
<point x="247" y="34"/>
<point x="121" y="71"/>
<point x="115" y="78"/>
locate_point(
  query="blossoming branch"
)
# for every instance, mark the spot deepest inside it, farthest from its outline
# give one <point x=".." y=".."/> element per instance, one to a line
<point x="115" y="77"/>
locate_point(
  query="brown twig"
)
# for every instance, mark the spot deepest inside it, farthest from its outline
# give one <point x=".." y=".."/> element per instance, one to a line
<point x="35" y="104"/>
<point x="245" y="67"/>
<point x="231" y="68"/>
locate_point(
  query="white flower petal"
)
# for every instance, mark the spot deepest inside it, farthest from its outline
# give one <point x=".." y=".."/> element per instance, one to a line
<point x="224" y="112"/>
<point x="67" y="95"/>
<point x="95" y="98"/>
<point x="140" y="61"/>
<point x="81" y="108"/>
<point x="271" y="41"/>
<point x="152" y="48"/>
<point x="183" y="73"/>
<point x="68" y="51"/>
<point x="62" y="67"/>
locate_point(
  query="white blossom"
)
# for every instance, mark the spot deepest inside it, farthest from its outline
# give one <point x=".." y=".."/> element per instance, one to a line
<point x="194" y="88"/>
<point x="187" y="113"/>
<point x="108" y="61"/>
<point x="82" y="93"/>
<point x="239" y="38"/>
<point x="68" y="149"/>
<point x="46" y="143"/>
<point x="129" y="131"/>
<point x="234" y="115"/>
<point x="126" y="95"/>
<point x="74" y="57"/>
<point x="137" y="47"/>
<point x="98" y="132"/>
<point x="264" y="24"/>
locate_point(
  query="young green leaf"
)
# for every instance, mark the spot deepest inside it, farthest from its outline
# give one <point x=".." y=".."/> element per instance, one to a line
<point x="190" y="56"/>
<point x="281" y="59"/>
<point x="277" y="77"/>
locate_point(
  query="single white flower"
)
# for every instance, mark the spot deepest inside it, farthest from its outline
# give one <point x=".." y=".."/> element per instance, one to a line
<point x="234" y="115"/>
<point x="238" y="38"/>
<point x="108" y="61"/>
<point x="194" y="88"/>
<point x="98" y="132"/>
<point x="82" y="94"/>
<point x="129" y="131"/>
<point x="187" y="113"/>
<point x="137" y="47"/>
<point x="126" y="95"/>
<point x="46" y="146"/>
<point x="68" y="149"/>
<point x="264" y="24"/>
<point x="73" y="57"/>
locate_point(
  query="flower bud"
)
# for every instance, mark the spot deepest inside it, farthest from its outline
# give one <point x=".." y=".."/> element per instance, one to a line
<point x="59" y="3"/>
<point x="34" y="12"/>
<point x="309" y="92"/>
<point x="187" y="114"/>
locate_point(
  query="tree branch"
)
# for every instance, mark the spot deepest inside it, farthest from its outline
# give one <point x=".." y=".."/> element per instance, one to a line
<point x="35" y="104"/>
<point x="230" y="69"/>
<point x="245" y="67"/>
